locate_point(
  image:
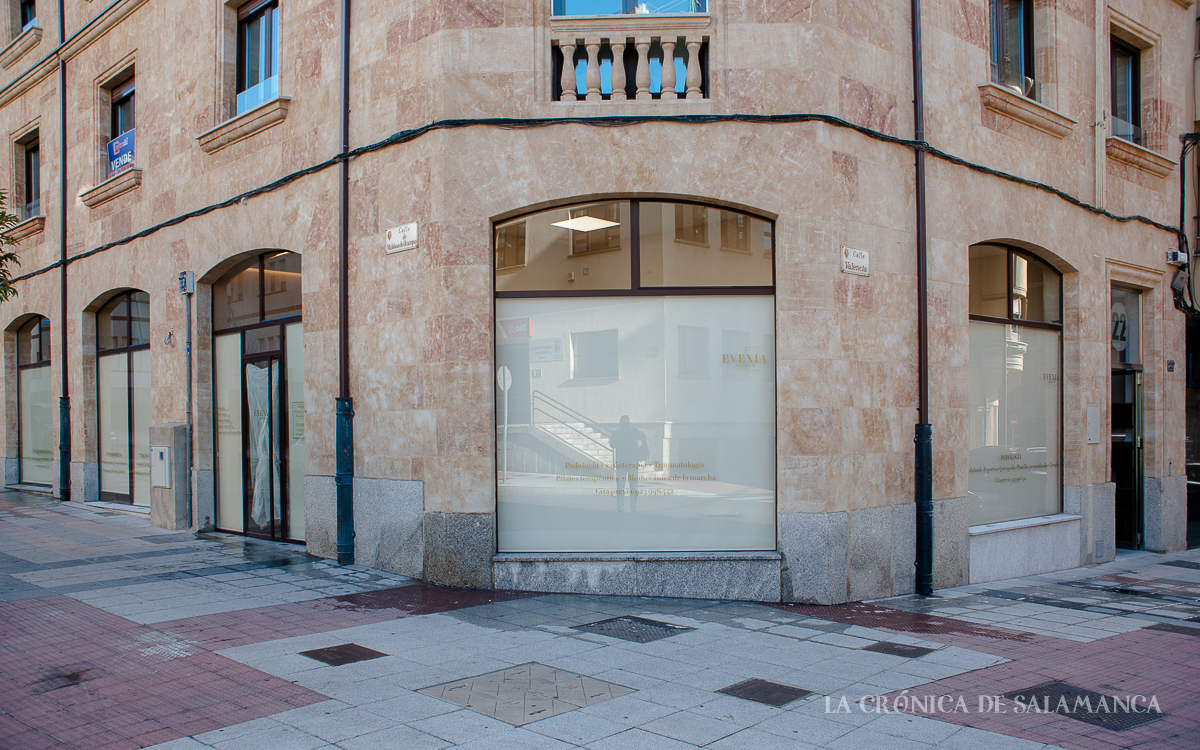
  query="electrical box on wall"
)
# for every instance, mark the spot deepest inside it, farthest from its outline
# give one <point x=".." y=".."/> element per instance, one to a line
<point x="1093" y="424"/>
<point x="160" y="466"/>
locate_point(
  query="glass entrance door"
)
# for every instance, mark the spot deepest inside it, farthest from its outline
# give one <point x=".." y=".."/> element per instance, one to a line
<point x="265" y="477"/>
<point x="1127" y="456"/>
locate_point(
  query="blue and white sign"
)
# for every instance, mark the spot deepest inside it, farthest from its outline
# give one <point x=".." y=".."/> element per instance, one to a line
<point x="120" y="153"/>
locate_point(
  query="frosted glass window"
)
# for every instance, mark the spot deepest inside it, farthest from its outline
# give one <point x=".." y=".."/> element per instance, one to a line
<point x="37" y="426"/>
<point x="295" y="435"/>
<point x="113" y="387"/>
<point x="227" y="364"/>
<point x="1015" y="422"/>
<point x="693" y="468"/>
<point x="140" y="481"/>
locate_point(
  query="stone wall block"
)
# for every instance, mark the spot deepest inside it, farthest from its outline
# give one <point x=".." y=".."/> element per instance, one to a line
<point x="872" y="541"/>
<point x="951" y="542"/>
<point x="815" y="549"/>
<point x="904" y="548"/>
<point x="1165" y="509"/>
<point x="458" y="548"/>
<point x="388" y="517"/>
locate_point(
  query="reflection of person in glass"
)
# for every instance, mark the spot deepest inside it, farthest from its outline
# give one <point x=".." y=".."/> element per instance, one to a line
<point x="630" y="447"/>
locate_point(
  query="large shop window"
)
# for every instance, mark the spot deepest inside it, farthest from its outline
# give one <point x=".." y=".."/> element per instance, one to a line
<point x="1015" y="386"/>
<point x="609" y="7"/>
<point x="635" y="362"/>
<point x="123" y="398"/>
<point x="258" y="368"/>
<point x="35" y="408"/>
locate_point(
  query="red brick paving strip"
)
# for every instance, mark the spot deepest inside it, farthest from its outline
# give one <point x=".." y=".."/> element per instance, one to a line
<point x="75" y="676"/>
<point x="1142" y="662"/>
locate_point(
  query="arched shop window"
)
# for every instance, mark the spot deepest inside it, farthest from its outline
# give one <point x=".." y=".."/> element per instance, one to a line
<point x="1015" y="386"/>
<point x="635" y="346"/>
<point x="123" y="398"/>
<point x="258" y="374"/>
<point x="35" y="410"/>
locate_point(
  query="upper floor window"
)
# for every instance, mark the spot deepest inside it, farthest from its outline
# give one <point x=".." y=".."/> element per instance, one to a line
<point x="258" y="55"/>
<point x="121" y="128"/>
<point x="614" y="7"/>
<point x="1012" y="46"/>
<point x="28" y="14"/>
<point x="33" y="179"/>
<point x="1125" y="70"/>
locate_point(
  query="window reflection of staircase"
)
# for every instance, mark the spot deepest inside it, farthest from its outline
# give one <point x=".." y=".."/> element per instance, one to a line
<point x="569" y="432"/>
<point x="590" y="444"/>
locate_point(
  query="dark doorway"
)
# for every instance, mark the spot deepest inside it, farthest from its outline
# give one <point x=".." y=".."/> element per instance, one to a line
<point x="1127" y="456"/>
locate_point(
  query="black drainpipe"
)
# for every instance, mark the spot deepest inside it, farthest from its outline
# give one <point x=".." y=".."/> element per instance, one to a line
<point x="923" y="492"/>
<point x="344" y="478"/>
<point x="64" y="400"/>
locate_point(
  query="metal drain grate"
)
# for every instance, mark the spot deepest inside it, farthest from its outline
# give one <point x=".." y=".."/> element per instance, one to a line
<point x="1166" y="627"/>
<point x="635" y="629"/>
<point x="763" y="691"/>
<point x="898" y="649"/>
<point x="347" y="653"/>
<point x="1090" y="707"/>
<point x="1183" y="564"/>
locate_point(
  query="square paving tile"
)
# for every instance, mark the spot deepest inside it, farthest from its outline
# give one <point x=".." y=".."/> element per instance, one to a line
<point x="764" y="691"/>
<point x="526" y="693"/>
<point x="635" y="629"/>
<point x="346" y="653"/>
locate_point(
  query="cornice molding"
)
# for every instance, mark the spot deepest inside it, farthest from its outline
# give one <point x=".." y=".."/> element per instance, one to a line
<point x="1002" y="101"/>
<point x="27" y="40"/>
<point x="244" y="125"/>
<point x="31" y="226"/>
<point x="112" y="187"/>
<point x="604" y="27"/>
<point x="1119" y="149"/>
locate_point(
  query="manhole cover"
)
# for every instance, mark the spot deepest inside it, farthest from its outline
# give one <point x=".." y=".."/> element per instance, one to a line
<point x="898" y="649"/>
<point x="1113" y="712"/>
<point x="1167" y="627"/>
<point x="635" y="629"/>
<point x="526" y="693"/>
<point x="763" y="691"/>
<point x="347" y="653"/>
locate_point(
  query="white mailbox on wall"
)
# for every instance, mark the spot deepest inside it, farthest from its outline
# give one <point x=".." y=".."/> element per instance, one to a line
<point x="160" y="466"/>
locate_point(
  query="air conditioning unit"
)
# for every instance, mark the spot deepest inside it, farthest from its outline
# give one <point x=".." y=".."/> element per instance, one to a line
<point x="1177" y="258"/>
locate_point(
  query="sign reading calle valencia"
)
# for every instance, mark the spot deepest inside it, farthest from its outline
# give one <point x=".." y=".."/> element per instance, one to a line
<point x="857" y="262"/>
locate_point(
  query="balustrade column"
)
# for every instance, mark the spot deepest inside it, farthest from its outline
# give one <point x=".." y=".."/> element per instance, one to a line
<point x="694" y="78"/>
<point x="668" y="70"/>
<point x="618" y="72"/>
<point x="593" y="70"/>
<point x="567" y="79"/>
<point x="643" y="68"/>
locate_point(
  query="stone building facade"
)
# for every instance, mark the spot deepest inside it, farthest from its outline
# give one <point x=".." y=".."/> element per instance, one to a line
<point x="788" y="144"/>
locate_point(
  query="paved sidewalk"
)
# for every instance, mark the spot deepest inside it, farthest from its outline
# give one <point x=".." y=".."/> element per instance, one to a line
<point x="114" y="634"/>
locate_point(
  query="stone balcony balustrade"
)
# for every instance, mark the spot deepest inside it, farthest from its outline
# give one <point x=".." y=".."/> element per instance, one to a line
<point x="635" y="41"/>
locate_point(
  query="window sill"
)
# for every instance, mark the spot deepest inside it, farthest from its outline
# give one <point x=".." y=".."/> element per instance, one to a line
<point x="1021" y="523"/>
<point x="1036" y="115"/>
<point x="112" y="187"/>
<point x="24" y="42"/>
<point x="28" y="228"/>
<point x="1138" y="157"/>
<point x="244" y="125"/>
